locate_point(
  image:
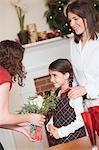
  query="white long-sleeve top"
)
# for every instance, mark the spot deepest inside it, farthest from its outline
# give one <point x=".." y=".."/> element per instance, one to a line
<point x="86" y="65"/>
<point x="76" y="124"/>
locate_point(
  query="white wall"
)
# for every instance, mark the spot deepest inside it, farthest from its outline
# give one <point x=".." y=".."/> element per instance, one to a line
<point x="9" y="26"/>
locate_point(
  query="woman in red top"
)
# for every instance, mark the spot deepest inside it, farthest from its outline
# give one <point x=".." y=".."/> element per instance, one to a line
<point x="12" y="70"/>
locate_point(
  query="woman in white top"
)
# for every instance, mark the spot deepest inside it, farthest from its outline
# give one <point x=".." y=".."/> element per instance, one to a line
<point x="84" y="21"/>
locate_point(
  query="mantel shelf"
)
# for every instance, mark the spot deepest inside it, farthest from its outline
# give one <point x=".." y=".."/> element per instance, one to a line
<point x="42" y="42"/>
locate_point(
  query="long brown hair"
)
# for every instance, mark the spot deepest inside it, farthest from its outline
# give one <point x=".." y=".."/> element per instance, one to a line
<point x="85" y="10"/>
<point x="11" y="55"/>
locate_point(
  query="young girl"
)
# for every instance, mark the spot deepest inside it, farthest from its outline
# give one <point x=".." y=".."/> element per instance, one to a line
<point x="66" y="124"/>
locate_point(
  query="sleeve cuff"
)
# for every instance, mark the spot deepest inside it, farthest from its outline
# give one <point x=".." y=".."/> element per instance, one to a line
<point x="59" y="133"/>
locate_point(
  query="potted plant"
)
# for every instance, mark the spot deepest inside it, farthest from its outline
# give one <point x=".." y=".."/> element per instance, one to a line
<point x="23" y="34"/>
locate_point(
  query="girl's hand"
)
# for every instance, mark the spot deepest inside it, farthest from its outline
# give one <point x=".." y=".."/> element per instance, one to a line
<point x="76" y="92"/>
<point x="55" y="133"/>
<point x="37" y="119"/>
<point x="51" y="129"/>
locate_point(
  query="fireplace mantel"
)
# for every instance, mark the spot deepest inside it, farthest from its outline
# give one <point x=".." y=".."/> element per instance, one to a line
<point x="42" y="42"/>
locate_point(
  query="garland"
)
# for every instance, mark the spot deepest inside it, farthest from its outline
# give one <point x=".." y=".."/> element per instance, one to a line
<point x="55" y="16"/>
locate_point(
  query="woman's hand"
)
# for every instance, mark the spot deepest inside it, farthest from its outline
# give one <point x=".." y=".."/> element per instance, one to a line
<point x="37" y="119"/>
<point x="26" y="131"/>
<point x="76" y="92"/>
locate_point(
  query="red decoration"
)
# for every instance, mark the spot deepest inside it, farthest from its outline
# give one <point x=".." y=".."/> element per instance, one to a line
<point x="50" y="35"/>
<point x="57" y="33"/>
<point x="36" y="135"/>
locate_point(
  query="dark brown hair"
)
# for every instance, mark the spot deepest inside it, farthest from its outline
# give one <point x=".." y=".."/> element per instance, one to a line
<point x="85" y="10"/>
<point x="63" y="66"/>
<point x="11" y="55"/>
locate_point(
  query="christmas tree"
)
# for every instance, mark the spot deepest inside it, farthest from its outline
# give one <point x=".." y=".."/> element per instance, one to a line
<point x="55" y="16"/>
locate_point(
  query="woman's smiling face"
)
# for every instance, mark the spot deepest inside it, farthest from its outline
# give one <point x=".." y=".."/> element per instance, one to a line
<point x="77" y="23"/>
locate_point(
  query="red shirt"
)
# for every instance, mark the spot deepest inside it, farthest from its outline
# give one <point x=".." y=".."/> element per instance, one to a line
<point x="5" y="76"/>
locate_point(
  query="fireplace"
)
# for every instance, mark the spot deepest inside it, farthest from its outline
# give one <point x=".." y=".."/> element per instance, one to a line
<point x="43" y="84"/>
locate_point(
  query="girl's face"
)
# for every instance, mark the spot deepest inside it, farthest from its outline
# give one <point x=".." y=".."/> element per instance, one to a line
<point x="59" y="79"/>
<point x="77" y="23"/>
